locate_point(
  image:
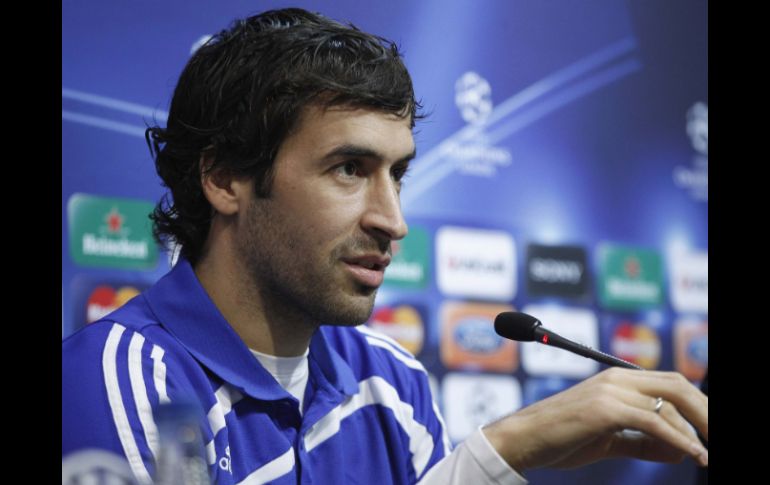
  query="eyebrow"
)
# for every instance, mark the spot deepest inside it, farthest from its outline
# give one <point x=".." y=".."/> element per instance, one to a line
<point x="358" y="151"/>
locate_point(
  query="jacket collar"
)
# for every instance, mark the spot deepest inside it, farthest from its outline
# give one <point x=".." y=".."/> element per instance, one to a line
<point x="184" y="308"/>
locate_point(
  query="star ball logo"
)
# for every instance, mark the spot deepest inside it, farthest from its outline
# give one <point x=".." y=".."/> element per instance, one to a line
<point x="402" y="323"/>
<point x="474" y="154"/>
<point x="695" y="178"/>
<point x="110" y="232"/>
<point x="636" y="343"/>
<point x="96" y="467"/>
<point x="471" y="401"/>
<point x="473" y="97"/>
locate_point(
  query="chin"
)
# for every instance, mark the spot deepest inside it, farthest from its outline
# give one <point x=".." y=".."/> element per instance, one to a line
<point x="352" y="313"/>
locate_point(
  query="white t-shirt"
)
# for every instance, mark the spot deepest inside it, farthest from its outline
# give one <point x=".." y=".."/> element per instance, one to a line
<point x="290" y="372"/>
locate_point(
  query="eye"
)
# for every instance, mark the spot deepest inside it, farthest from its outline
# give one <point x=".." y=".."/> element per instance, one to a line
<point x="348" y="169"/>
<point x="399" y="172"/>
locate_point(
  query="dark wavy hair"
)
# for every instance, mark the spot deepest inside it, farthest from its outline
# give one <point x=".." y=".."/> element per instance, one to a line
<point x="241" y="94"/>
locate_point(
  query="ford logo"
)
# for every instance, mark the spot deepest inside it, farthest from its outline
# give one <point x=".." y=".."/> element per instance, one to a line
<point x="698" y="350"/>
<point x="477" y="335"/>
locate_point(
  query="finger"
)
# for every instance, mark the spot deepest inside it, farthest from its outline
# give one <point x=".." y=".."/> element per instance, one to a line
<point x="671" y="414"/>
<point x="667" y="428"/>
<point x="635" y="444"/>
<point x="666" y="411"/>
<point x="689" y="401"/>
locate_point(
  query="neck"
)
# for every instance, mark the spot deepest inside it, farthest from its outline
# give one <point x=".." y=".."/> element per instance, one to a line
<point x="262" y="318"/>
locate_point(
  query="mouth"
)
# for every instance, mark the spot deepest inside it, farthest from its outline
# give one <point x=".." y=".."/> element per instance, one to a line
<point x="367" y="270"/>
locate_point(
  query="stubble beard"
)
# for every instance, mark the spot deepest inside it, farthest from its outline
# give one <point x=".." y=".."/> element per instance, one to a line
<point x="314" y="291"/>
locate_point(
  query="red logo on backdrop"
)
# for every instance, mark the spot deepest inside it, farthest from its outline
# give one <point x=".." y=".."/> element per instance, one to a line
<point x="106" y="299"/>
<point x="633" y="267"/>
<point x="114" y="221"/>
<point x="401" y="323"/>
<point x="637" y="343"/>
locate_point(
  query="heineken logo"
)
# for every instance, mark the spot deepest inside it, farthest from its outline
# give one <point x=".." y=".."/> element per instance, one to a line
<point x="114" y="221"/>
<point x="630" y="277"/>
<point x="409" y="267"/>
<point x="111" y="232"/>
<point x="123" y="248"/>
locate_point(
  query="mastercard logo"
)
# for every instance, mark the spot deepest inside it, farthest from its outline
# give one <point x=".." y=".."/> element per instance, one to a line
<point x="402" y="323"/>
<point x="105" y="299"/>
<point x="636" y="343"/>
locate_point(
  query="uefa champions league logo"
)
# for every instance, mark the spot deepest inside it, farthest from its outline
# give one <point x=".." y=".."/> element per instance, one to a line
<point x="96" y="467"/>
<point x="695" y="178"/>
<point x="473" y="97"/>
<point x="473" y="153"/>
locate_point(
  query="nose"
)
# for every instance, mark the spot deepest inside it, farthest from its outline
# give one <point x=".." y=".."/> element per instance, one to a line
<point x="382" y="217"/>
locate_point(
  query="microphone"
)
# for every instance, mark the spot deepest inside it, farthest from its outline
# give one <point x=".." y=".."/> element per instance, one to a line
<point x="526" y="328"/>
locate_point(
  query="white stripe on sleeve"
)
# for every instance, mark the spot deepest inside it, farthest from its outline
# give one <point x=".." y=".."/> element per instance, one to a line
<point x="115" y="399"/>
<point x="138" y="389"/>
<point x="159" y="373"/>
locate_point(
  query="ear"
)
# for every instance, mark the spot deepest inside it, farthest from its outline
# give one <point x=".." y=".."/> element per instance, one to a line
<point x="226" y="194"/>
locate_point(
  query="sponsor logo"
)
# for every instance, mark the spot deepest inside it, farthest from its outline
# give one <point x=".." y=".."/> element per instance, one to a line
<point x="225" y="463"/>
<point x="636" y="343"/>
<point x="476" y="263"/>
<point x="402" y="323"/>
<point x="690" y="282"/>
<point x="469" y="341"/>
<point x="475" y="155"/>
<point x="97" y="467"/>
<point x="578" y="325"/>
<point x="630" y="277"/>
<point x="111" y="232"/>
<point x="91" y="298"/>
<point x="473" y="97"/>
<point x="473" y="400"/>
<point x="409" y="266"/>
<point x="475" y="335"/>
<point x="691" y="347"/>
<point x="695" y="177"/>
<point x="106" y="299"/>
<point x="556" y="270"/>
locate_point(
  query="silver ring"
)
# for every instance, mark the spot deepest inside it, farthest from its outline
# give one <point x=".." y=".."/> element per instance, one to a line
<point x="658" y="405"/>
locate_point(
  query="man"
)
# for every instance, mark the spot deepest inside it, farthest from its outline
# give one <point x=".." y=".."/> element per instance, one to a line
<point x="287" y="142"/>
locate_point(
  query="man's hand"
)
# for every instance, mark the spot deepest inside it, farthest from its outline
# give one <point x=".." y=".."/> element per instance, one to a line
<point x="611" y="414"/>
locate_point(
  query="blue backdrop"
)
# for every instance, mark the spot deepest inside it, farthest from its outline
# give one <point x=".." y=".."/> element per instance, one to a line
<point x="563" y="171"/>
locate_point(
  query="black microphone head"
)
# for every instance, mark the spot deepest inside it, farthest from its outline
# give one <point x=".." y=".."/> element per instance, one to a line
<point x="516" y="326"/>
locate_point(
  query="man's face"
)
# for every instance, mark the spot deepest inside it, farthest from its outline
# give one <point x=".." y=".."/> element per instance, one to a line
<point x="320" y="242"/>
